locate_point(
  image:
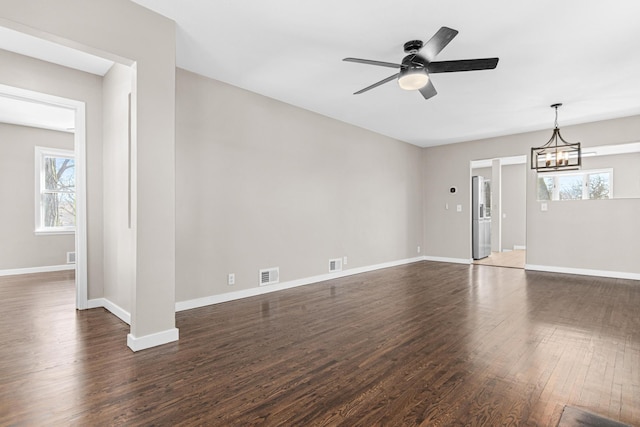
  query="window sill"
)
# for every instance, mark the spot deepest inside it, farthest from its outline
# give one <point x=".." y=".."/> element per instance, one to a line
<point x="48" y="232"/>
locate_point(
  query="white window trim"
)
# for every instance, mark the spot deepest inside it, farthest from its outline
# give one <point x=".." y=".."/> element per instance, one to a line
<point x="585" y="173"/>
<point x="40" y="154"/>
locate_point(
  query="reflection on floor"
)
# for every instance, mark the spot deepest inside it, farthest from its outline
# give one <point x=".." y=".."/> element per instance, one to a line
<point x="512" y="259"/>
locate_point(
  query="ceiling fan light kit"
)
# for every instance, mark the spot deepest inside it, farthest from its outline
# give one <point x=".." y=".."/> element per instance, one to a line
<point x="415" y="68"/>
<point x="555" y="156"/>
<point x="412" y="79"/>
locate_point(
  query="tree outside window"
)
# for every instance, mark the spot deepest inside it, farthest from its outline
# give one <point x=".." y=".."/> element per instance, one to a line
<point x="576" y="185"/>
<point x="56" y="192"/>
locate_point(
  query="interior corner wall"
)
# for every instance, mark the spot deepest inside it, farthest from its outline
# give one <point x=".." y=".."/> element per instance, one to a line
<point x="514" y="202"/>
<point x="608" y="241"/>
<point x="40" y="76"/>
<point x="119" y="232"/>
<point x="20" y="247"/>
<point x="125" y="31"/>
<point x="261" y="184"/>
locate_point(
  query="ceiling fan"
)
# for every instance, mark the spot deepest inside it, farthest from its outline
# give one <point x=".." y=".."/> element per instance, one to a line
<point x="418" y="64"/>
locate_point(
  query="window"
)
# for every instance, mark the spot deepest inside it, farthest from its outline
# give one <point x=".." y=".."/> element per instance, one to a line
<point x="576" y="185"/>
<point x="55" y="191"/>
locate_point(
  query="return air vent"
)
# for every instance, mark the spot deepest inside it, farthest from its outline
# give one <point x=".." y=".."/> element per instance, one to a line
<point x="269" y="276"/>
<point x="335" y="264"/>
<point x="71" y="257"/>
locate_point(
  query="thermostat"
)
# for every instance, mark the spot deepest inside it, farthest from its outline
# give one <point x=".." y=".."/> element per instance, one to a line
<point x="453" y="190"/>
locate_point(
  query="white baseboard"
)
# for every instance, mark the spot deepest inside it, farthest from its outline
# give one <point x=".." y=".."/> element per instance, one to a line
<point x="115" y="309"/>
<point x="245" y="293"/>
<point x="152" y="340"/>
<point x="31" y="270"/>
<point x="519" y="248"/>
<point x="584" y="271"/>
<point x="444" y="259"/>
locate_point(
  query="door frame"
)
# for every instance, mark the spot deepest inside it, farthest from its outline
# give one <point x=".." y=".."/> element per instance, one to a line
<point x="80" y="150"/>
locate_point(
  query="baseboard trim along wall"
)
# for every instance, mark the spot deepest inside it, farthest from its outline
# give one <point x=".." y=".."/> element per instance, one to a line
<point x="519" y="248"/>
<point x="152" y="340"/>
<point x="444" y="259"/>
<point x="584" y="271"/>
<point x="31" y="270"/>
<point x="246" y="293"/>
<point x="115" y="309"/>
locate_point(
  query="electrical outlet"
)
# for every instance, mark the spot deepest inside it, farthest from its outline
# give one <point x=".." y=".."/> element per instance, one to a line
<point x="418" y="249"/>
<point x="231" y="279"/>
<point x="344" y="260"/>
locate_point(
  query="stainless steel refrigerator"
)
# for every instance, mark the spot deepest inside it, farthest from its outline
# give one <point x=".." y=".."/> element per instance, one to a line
<point x="481" y="217"/>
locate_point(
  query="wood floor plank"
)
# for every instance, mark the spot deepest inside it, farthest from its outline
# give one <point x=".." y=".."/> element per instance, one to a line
<point x="428" y="343"/>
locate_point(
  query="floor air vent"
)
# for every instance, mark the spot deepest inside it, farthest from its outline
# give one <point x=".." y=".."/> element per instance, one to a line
<point x="335" y="264"/>
<point x="269" y="276"/>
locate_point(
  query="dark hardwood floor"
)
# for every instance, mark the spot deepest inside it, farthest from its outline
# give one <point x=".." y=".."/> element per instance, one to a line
<point x="422" y="344"/>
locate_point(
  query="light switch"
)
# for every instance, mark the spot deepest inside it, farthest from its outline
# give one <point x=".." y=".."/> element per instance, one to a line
<point x="544" y="207"/>
<point x="459" y="208"/>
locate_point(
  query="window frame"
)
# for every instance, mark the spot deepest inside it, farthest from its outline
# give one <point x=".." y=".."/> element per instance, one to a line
<point x="555" y="194"/>
<point x="40" y="187"/>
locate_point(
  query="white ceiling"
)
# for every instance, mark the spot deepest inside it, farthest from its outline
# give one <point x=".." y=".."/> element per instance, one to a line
<point x="583" y="53"/>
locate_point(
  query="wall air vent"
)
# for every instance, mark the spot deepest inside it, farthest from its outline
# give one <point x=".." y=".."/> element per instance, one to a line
<point x="269" y="276"/>
<point x="335" y="264"/>
<point x="71" y="257"/>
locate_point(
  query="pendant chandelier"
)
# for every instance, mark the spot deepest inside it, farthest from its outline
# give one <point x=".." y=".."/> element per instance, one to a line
<point x="554" y="156"/>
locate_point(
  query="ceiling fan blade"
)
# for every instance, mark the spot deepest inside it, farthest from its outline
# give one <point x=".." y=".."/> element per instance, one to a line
<point x="438" y="42"/>
<point x="428" y="90"/>
<point x="462" y="65"/>
<point x="371" y="62"/>
<point x="381" y="82"/>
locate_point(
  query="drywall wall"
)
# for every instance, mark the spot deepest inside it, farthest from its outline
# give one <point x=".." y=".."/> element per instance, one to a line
<point x="514" y="201"/>
<point x="40" y="76"/>
<point x="19" y="246"/>
<point x="483" y="172"/>
<point x="264" y="184"/>
<point x="119" y="236"/>
<point x="447" y="233"/>
<point x="128" y="33"/>
<point x="599" y="235"/>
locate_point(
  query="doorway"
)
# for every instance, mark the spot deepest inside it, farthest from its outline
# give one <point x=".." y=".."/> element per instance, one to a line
<point x="77" y="108"/>
<point x="507" y="176"/>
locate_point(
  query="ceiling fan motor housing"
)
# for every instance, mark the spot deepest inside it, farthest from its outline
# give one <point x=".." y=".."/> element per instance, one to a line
<point x="413" y="61"/>
<point x="413" y="46"/>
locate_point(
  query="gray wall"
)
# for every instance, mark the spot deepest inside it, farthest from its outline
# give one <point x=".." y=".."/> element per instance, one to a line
<point x="260" y="183"/>
<point x="447" y="233"/>
<point x="514" y="202"/>
<point x="128" y="33"/>
<point x="32" y="74"/>
<point x="119" y="237"/>
<point x="20" y="247"/>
